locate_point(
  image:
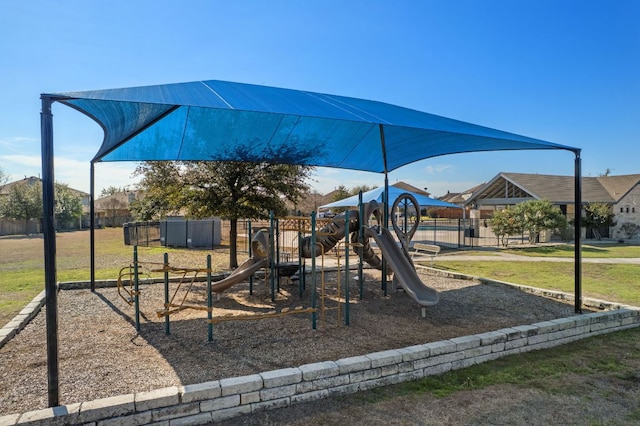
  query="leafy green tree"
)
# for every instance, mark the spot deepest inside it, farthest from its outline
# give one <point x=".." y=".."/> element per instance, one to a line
<point x="340" y="193"/>
<point x="505" y="223"/>
<point x="111" y="190"/>
<point x="532" y="216"/>
<point x="597" y="215"/>
<point x="356" y="189"/>
<point x="68" y="206"/>
<point x="24" y="202"/>
<point x="162" y="184"/>
<point x="232" y="190"/>
<point x="538" y="215"/>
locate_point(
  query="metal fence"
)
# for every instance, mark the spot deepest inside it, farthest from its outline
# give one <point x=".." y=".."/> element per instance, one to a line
<point x="448" y="233"/>
<point x="143" y="234"/>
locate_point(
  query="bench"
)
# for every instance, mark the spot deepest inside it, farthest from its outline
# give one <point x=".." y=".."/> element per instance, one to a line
<point x="430" y="250"/>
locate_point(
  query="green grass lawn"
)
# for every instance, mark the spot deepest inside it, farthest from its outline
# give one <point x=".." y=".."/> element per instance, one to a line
<point x="613" y="282"/>
<point x="568" y="250"/>
<point x="22" y="263"/>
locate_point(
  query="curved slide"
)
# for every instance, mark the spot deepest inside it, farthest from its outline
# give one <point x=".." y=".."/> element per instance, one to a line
<point x="404" y="271"/>
<point x="398" y="262"/>
<point x="259" y="246"/>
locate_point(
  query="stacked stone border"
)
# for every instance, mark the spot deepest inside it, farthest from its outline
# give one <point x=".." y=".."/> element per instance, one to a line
<point x="218" y="400"/>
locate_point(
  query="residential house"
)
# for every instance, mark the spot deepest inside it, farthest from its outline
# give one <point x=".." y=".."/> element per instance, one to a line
<point x="622" y="193"/>
<point x="113" y="210"/>
<point x="460" y="198"/>
<point x="9" y="227"/>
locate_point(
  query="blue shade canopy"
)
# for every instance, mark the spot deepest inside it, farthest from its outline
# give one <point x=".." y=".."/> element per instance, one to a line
<point x="394" y="192"/>
<point x="218" y="120"/>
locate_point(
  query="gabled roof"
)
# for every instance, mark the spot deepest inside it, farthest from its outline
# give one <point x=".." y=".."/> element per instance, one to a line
<point x="461" y="197"/>
<point x="619" y="186"/>
<point x="119" y="200"/>
<point x="410" y="188"/>
<point x="557" y="189"/>
<point x="32" y="180"/>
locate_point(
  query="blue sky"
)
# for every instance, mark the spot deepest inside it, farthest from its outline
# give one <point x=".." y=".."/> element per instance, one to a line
<point x="559" y="70"/>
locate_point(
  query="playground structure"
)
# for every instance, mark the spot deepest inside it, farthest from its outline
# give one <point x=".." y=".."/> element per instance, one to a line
<point x="315" y="238"/>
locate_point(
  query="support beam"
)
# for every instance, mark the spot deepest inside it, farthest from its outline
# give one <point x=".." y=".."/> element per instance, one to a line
<point x="48" y="223"/>
<point x="92" y="226"/>
<point x="578" y="234"/>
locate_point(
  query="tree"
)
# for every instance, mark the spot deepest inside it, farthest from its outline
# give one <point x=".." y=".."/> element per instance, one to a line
<point x="630" y="229"/>
<point x="340" y="193"/>
<point x="364" y="188"/>
<point x="598" y="215"/>
<point x="232" y="189"/>
<point x="112" y="190"/>
<point x="162" y="184"/>
<point x="532" y="216"/>
<point x="505" y="223"/>
<point x="24" y="202"/>
<point x="538" y="215"/>
<point x="68" y="206"/>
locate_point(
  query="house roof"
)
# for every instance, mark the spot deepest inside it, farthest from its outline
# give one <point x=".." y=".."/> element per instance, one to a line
<point x="460" y="197"/>
<point x="557" y="189"/>
<point x="410" y="188"/>
<point x="32" y="180"/>
<point x="619" y="186"/>
<point x="119" y="200"/>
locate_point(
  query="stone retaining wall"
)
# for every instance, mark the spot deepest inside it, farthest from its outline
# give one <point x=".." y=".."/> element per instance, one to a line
<point x="222" y="399"/>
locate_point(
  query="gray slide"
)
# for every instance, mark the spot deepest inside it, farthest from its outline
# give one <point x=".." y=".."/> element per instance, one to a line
<point x="260" y="259"/>
<point x="404" y="271"/>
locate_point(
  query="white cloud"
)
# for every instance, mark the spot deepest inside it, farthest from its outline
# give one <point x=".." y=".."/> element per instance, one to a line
<point x="437" y="169"/>
<point x="22" y="160"/>
<point x="17" y="142"/>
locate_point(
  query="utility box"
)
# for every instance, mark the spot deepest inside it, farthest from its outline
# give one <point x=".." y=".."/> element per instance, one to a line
<point x="180" y="232"/>
<point x="203" y="233"/>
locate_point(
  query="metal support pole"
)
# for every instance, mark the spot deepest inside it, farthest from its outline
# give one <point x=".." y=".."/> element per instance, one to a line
<point x="48" y="224"/>
<point x="578" y="234"/>
<point x="313" y="271"/>
<point x="167" y="327"/>
<point x="347" y="229"/>
<point x="362" y="220"/>
<point x="272" y="263"/>
<point x="250" y="238"/>
<point x="136" y="287"/>
<point x="302" y="283"/>
<point x="209" y="300"/>
<point x="92" y="228"/>
<point x="385" y="222"/>
<point x="277" y="253"/>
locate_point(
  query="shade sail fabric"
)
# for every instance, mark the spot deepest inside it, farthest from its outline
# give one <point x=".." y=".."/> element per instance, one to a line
<point x="376" y="195"/>
<point x="218" y="120"/>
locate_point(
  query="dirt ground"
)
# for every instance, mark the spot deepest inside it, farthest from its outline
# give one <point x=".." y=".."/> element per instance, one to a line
<point x="102" y="355"/>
